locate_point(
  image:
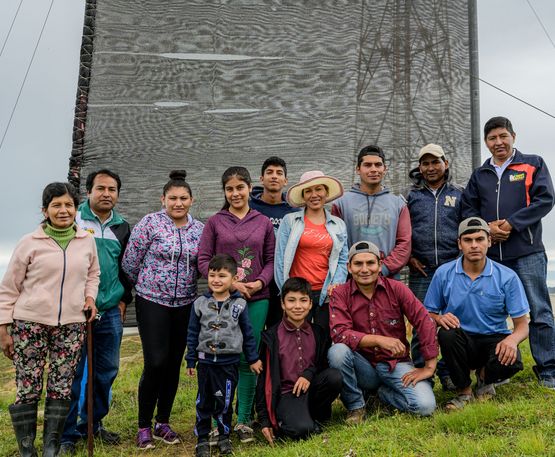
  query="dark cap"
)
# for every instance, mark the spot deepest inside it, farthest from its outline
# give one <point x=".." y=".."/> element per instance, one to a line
<point x="364" y="247"/>
<point x="473" y="223"/>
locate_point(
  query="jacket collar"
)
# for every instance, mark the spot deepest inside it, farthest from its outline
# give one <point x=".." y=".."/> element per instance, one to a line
<point x="88" y="215"/>
<point x="40" y="234"/>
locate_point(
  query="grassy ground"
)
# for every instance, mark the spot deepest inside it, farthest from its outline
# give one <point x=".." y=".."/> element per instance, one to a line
<point x="519" y="422"/>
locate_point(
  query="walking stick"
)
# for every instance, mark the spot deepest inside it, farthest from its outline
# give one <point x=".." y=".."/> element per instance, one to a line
<point x="90" y="435"/>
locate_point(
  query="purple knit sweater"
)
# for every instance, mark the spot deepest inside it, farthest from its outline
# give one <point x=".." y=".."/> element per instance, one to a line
<point x="250" y="241"/>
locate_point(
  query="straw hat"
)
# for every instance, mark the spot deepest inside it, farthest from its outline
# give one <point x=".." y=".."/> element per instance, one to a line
<point x="313" y="178"/>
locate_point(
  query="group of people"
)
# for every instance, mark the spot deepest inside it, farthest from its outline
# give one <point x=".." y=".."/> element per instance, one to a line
<point x="324" y="284"/>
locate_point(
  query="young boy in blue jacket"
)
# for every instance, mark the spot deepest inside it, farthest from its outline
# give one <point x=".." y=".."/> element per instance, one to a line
<point x="219" y="330"/>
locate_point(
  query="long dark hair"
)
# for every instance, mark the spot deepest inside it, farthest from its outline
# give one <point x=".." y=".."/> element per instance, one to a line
<point x="241" y="173"/>
<point x="177" y="179"/>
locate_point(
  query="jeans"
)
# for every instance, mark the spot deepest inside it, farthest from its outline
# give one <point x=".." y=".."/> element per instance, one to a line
<point x="419" y="284"/>
<point x="107" y="333"/>
<point x="532" y="271"/>
<point x="360" y="378"/>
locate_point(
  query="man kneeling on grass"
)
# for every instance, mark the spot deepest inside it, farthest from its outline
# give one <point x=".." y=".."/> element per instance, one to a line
<point x="367" y="321"/>
<point x="219" y="330"/>
<point x="297" y="388"/>
<point x="470" y="299"/>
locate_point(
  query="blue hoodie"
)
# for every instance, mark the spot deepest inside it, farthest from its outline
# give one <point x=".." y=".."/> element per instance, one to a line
<point x="273" y="212"/>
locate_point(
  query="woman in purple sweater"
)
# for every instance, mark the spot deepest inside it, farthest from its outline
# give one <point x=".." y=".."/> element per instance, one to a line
<point x="248" y="236"/>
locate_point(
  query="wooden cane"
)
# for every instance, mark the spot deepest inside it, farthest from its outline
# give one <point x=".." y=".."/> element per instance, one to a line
<point x="90" y="434"/>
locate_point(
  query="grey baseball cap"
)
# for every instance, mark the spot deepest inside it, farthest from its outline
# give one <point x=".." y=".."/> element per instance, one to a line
<point x="364" y="247"/>
<point x="473" y="223"/>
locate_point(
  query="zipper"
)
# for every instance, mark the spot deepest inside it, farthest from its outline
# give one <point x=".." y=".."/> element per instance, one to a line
<point x="436" y="196"/>
<point x="62" y="283"/>
<point x="177" y="266"/>
<point x="498" y="190"/>
<point x="531" y="236"/>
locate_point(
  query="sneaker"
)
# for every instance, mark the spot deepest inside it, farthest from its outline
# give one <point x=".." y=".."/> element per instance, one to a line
<point x="246" y="434"/>
<point x="67" y="449"/>
<point x="447" y="384"/>
<point x="224" y="445"/>
<point x="484" y="391"/>
<point x="164" y="433"/>
<point x="202" y="449"/>
<point x="355" y="416"/>
<point x="213" y="437"/>
<point x="144" y="439"/>
<point x="459" y="402"/>
<point x="107" y="437"/>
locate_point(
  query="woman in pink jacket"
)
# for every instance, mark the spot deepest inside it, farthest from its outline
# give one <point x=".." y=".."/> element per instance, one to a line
<point x="51" y="280"/>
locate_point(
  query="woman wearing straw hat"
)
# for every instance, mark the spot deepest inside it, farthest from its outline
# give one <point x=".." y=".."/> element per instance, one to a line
<point x="312" y="244"/>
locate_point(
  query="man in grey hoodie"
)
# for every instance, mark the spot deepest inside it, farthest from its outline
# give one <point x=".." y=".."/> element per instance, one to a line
<point x="373" y="214"/>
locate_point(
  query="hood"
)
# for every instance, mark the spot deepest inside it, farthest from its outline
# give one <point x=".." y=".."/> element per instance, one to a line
<point x="418" y="180"/>
<point x="256" y="195"/>
<point x="356" y="190"/>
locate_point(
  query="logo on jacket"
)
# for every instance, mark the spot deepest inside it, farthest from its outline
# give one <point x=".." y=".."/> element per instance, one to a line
<point x="517" y="177"/>
<point x="236" y="310"/>
<point x="450" y="200"/>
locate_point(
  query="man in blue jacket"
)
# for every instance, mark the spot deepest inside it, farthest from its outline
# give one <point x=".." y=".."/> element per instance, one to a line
<point x="513" y="191"/>
<point x="434" y="204"/>
<point x="111" y="233"/>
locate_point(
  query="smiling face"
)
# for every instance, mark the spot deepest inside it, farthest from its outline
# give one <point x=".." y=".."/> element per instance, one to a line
<point x="433" y="170"/>
<point x="474" y="246"/>
<point x="500" y="143"/>
<point x="315" y="196"/>
<point x="177" y="202"/>
<point x="60" y="212"/>
<point x="364" y="268"/>
<point x="296" y="305"/>
<point x="371" y="171"/>
<point x="237" y="193"/>
<point x="220" y="281"/>
<point x="104" y="194"/>
<point x="273" y="179"/>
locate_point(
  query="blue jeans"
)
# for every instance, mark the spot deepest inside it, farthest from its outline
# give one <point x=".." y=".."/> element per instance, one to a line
<point x="107" y="333"/>
<point x="360" y="378"/>
<point x="532" y="271"/>
<point x="419" y="284"/>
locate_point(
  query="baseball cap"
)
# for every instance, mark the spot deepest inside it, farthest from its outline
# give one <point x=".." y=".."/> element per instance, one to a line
<point x="433" y="149"/>
<point x="364" y="247"/>
<point x="473" y="223"/>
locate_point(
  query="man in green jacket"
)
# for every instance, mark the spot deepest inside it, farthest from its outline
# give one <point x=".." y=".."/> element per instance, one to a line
<point x="111" y="233"/>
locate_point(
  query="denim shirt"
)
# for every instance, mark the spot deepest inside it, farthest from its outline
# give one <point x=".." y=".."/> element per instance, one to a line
<point x="287" y="240"/>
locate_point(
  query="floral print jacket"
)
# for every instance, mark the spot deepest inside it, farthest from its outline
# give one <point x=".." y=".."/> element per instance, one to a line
<point x="161" y="259"/>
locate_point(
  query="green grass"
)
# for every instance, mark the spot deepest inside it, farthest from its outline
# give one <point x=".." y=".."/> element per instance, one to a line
<point x="520" y="421"/>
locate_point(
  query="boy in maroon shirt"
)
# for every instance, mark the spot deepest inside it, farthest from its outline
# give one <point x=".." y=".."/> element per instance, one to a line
<point x="297" y="388"/>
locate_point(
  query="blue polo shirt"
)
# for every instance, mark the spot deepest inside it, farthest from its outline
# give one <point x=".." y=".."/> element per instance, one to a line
<point x="483" y="305"/>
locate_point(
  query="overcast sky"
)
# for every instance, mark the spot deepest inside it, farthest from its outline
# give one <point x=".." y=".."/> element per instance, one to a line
<point x="515" y="54"/>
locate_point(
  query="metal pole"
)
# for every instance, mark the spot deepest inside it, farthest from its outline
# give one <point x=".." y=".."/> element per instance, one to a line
<point x="474" y="83"/>
<point x="90" y="434"/>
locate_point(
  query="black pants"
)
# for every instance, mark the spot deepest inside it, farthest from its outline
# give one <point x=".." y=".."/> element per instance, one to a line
<point x="163" y="332"/>
<point x="297" y="416"/>
<point x="463" y="352"/>
<point x="216" y="389"/>
<point x="275" y="313"/>
<point x="320" y="315"/>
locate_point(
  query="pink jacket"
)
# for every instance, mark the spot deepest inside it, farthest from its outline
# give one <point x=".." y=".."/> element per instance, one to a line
<point x="47" y="285"/>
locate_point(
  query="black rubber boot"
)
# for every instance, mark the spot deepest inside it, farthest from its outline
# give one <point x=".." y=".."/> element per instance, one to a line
<point x="24" y="420"/>
<point x="55" y="413"/>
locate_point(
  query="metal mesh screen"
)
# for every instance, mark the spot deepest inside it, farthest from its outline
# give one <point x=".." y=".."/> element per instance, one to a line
<point x="203" y="85"/>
